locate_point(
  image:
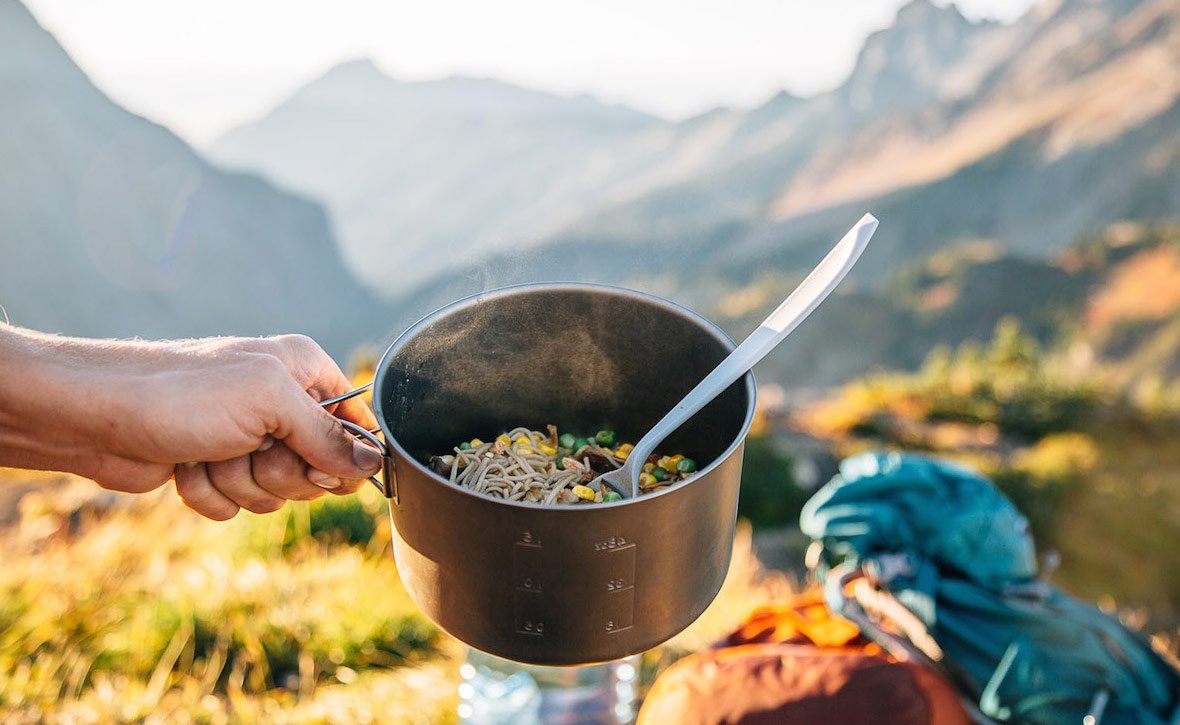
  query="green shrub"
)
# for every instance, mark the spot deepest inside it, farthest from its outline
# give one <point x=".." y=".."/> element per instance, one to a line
<point x="769" y="494"/>
<point x="1010" y="384"/>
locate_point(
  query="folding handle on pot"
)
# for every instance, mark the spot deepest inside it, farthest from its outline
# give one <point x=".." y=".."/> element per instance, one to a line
<point x="370" y="436"/>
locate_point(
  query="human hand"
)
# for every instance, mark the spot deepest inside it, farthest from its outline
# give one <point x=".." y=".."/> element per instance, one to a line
<point x="234" y="420"/>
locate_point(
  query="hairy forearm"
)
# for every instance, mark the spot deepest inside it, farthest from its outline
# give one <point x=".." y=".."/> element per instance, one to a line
<point x="71" y="404"/>
<point x="40" y="386"/>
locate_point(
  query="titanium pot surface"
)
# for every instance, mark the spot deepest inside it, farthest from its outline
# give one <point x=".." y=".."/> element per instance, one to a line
<point x="559" y="585"/>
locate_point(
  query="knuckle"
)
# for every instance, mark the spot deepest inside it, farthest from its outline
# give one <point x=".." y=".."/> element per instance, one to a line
<point x="201" y="499"/>
<point x="307" y="493"/>
<point x="269" y="367"/>
<point x="300" y="343"/>
<point x="277" y="469"/>
<point x="347" y="488"/>
<point x="218" y="512"/>
<point x="263" y="504"/>
<point x="268" y="377"/>
<point x="192" y="492"/>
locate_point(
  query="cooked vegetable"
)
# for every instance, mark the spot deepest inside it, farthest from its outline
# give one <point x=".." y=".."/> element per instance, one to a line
<point x="526" y="465"/>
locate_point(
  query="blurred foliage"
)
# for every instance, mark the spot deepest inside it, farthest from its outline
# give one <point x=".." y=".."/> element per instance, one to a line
<point x="350" y="520"/>
<point x="148" y="593"/>
<point x="117" y="608"/>
<point x="769" y="495"/>
<point x="1094" y="466"/>
<point x="1008" y="384"/>
<point x="1039" y="478"/>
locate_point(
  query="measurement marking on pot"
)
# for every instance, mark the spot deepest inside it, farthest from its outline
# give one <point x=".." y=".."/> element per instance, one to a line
<point x="618" y="583"/>
<point x="613" y="542"/>
<point x="527" y="565"/>
<point x="528" y="581"/>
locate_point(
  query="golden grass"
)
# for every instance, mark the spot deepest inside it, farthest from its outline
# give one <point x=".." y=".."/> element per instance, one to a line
<point x="132" y="609"/>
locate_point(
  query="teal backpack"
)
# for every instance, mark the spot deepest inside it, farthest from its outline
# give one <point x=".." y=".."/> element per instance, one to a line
<point x="958" y="563"/>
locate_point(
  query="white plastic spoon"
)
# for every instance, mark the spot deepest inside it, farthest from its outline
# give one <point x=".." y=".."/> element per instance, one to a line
<point x="801" y="303"/>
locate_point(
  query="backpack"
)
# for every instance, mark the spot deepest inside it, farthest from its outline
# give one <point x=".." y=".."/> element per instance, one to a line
<point x="943" y="543"/>
<point x="798" y="664"/>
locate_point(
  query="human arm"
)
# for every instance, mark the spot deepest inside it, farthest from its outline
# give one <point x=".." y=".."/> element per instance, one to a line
<point x="234" y="420"/>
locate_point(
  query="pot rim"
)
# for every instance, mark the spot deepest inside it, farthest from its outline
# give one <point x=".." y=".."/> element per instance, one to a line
<point x="413" y="330"/>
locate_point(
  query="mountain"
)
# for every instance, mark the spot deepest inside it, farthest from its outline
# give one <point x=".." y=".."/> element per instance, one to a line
<point x="419" y="174"/>
<point x="474" y="167"/>
<point x="1020" y="138"/>
<point x="112" y="226"/>
<point x="1032" y="136"/>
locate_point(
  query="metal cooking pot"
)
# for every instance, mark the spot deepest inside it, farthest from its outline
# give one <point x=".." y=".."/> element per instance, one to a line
<point x="558" y="585"/>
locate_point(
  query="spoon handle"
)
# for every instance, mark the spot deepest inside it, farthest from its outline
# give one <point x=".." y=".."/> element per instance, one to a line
<point x="801" y="303"/>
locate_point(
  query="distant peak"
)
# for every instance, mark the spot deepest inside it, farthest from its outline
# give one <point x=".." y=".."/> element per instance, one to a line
<point x="356" y="68"/>
<point x="783" y="98"/>
<point x="903" y="64"/>
<point x="914" y="7"/>
<point x="920" y="13"/>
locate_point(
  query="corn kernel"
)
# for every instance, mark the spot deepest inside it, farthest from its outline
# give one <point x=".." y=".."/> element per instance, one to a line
<point x="523" y="450"/>
<point x="666" y="463"/>
<point x="523" y="441"/>
<point x="547" y="449"/>
<point x="646" y="479"/>
<point x="677" y="458"/>
<point x="504" y="439"/>
<point x="649" y="467"/>
<point x="476" y="443"/>
<point x="584" y="492"/>
<point x="622" y="453"/>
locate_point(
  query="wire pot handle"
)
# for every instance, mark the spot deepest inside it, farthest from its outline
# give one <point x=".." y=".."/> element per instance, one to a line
<point x="368" y="436"/>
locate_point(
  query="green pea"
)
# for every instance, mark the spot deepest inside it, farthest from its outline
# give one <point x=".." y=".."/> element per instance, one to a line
<point x="464" y="446"/>
<point x="567" y="440"/>
<point x="611" y="496"/>
<point x="560" y="464"/>
<point x="579" y="443"/>
<point x="605" y="437"/>
<point x="659" y="474"/>
<point x="686" y="465"/>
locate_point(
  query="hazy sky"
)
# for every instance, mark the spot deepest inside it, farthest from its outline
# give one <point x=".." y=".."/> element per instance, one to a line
<point x="203" y="67"/>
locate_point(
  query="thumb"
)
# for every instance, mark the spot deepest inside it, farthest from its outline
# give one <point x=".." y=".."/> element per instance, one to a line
<point x="317" y="437"/>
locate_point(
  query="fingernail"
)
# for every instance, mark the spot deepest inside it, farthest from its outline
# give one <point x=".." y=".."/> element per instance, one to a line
<point x="323" y="480"/>
<point x="267" y="442"/>
<point x="366" y="457"/>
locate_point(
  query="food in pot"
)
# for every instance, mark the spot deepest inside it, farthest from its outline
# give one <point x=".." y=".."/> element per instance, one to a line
<point x="528" y="465"/>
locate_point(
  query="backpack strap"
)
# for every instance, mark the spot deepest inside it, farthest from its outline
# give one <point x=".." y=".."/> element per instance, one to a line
<point x="914" y="644"/>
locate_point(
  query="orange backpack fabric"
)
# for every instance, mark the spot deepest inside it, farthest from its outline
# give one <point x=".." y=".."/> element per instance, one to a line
<point x="798" y="663"/>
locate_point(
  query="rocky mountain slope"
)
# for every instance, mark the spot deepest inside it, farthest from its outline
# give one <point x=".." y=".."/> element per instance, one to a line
<point x="1036" y="135"/>
<point x="112" y="226"/>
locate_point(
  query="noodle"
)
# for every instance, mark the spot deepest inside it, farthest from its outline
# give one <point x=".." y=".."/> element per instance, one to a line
<point x="537" y="467"/>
